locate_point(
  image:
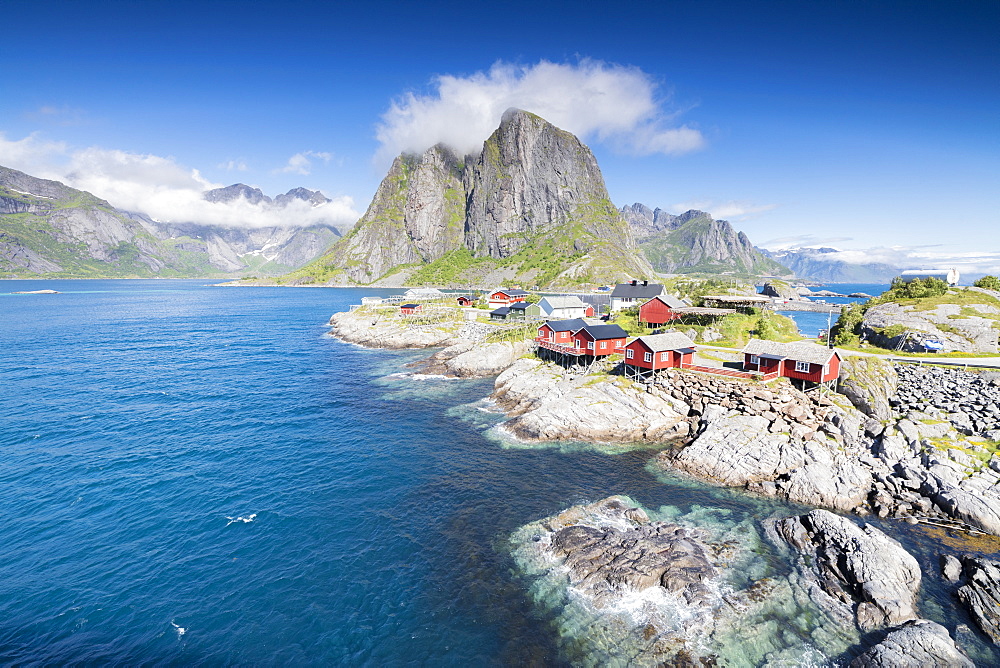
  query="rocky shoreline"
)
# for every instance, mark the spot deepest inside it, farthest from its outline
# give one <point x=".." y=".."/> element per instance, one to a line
<point x="902" y="441"/>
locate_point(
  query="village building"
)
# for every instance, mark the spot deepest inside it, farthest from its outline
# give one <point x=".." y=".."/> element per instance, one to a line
<point x="423" y="293"/>
<point x="600" y="340"/>
<point x="559" y="331"/>
<point x="566" y="307"/>
<point x="517" y="311"/>
<point x="806" y="362"/>
<point x="506" y="297"/>
<point x="744" y="303"/>
<point x="466" y="300"/>
<point x="633" y="293"/>
<point x="410" y="309"/>
<point x="646" y="355"/>
<point x="660" y="310"/>
<point x="949" y="276"/>
<point x="501" y="313"/>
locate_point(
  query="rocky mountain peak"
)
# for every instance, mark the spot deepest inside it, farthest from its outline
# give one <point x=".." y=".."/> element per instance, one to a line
<point x="314" y="197"/>
<point x="236" y="191"/>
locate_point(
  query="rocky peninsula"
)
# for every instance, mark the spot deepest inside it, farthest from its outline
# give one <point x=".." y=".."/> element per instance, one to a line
<point x="896" y="441"/>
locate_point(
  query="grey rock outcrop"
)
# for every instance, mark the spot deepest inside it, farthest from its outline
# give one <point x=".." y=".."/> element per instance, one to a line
<point x="919" y="643"/>
<point x="472" y="360"/>
<point x="859" y="570"/>
<point x="871" y="384"/>
<point x="547" y="404"/>
<point x="779" y="289"/>
<point x="981" y="595"/>
<point x="951" y="324"/>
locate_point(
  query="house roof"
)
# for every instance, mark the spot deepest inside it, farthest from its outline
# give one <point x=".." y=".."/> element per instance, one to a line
<point x="409" y="306"/>
<point x="503" y="310"/>
<point x="569" y="301"/>
<point x="637" y="291"/>
<point x="668" y="341"/>
<point x="520" y="306"/>
<point x="600" y="332"/>
<point x="800" y="351"/>
<point x="510" y="293"/>
<point x="566" y="325"/>
<point x="669" y="300"/>
<point x="470" y="297"/>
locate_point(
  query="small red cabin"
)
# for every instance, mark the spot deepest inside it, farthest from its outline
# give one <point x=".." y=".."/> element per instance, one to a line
<point x="600" y="340"/>
<point x="660" y="310"/>
<point x="466" y="300"/>
<point x="803" y="361"/>
<point x="505" y="297"/>
<point x="660" y="351"/>
<point x="559" y="331"/>
<point x="410" y="309"/>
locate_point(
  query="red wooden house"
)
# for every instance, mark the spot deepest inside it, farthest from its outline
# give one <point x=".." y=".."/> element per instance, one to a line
<point x="659" y="351"/>
<point x="803" y="361"/>
<point x="466" y="300"/>
<point x="660" y="310"/>
<point x="600" y="340"/>
<point x="506" y="297"/>
<point x="559" y="332"/>
<point x="410" y="309"/>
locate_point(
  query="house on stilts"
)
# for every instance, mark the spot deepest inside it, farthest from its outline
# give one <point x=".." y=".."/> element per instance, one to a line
<point x="646" y="355"/>
<point x="808" y="363"/>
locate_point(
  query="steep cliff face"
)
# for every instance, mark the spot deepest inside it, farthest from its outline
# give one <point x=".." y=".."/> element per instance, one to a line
<point x="49" y="228"/>
<point x="532" y="207"/>
<point x="695" y="242"/>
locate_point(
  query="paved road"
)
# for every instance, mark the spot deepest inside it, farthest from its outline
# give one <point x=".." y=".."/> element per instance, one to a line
<point x="982" y="362"/>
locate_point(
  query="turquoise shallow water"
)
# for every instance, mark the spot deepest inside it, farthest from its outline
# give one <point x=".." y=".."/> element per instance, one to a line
<point x="201" y="475"/>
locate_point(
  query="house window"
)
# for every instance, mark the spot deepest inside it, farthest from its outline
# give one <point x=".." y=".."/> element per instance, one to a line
<point x="664" y="357"/>
<point x="647" y="357"/>
<point x="754" y="359"/>
<point x="802" y="367"/>
<point x="604" y="345"/>
<point x="629" y="353"/>
<point x="590" y="345"/>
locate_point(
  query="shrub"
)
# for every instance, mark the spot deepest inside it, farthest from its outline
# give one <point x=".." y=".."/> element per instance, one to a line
<point x="988" y="283"/>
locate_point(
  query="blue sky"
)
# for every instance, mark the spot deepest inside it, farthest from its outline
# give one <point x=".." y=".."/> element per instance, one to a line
<point x="864" y="124"/>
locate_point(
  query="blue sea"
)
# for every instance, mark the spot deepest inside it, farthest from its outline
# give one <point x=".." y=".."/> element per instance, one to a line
<point x="810" y="324"/>
<point x="202" y="475"/>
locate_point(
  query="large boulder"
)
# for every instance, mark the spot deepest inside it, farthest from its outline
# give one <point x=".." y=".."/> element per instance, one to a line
<point x="870" y="383"/>
<point x="856" y="569"/>
<point x="981" y="595"/>
<point x="549" y="404"/>
<point x="920" y="643"/>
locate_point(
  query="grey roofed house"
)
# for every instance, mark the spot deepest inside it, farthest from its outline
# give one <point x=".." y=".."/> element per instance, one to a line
<point x="800" y="351"/>
<point x="500" y="313"/>
<point x="637" y="290"/>
<point x="519" y="306"/>
<point x="604" y="331"/>
<point x="511" y="293"/>
<point x="668" y="341"/>
<point x="671" y="301"/>
<point x="572" y="325"/>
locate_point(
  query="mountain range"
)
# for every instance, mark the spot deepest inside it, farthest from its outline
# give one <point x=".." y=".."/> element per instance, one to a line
<point x="822" y="265"/>
<point x="530" y="208"/>
<point x="50" y="229"/>
<point x="694" y="242"/>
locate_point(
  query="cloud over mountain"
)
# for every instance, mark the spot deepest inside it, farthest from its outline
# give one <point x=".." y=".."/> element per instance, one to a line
<point x="594" y="100"/>
<point x="159" y="187"/>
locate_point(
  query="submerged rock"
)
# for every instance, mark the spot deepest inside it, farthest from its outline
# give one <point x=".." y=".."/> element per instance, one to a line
<point x="918" y="643"/>
<point x="629" y="589"/>
<point x="858" y="570"/>
<point x="981" y="595"/>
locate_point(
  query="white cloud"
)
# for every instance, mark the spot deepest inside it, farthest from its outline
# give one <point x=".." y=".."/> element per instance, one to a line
<point x="935" y="256"/>
<point x="301" y="164"/>
<point x="156" y="186"/>
<point x="592" y="99"/>
<point x="731" y="210"/>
